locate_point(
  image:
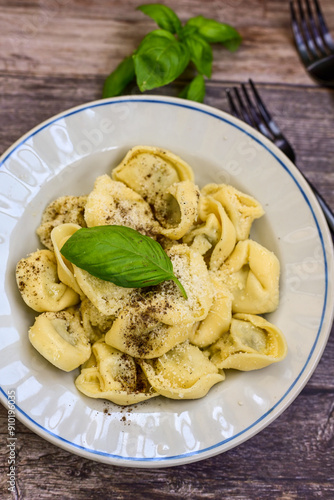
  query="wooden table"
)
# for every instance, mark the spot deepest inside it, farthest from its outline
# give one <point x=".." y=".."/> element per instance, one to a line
<point x="55" y="54"/>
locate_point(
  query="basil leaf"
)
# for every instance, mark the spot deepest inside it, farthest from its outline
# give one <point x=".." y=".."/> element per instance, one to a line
<point x="200" y="53"/>
<point x="164" y="16"/>
<point x="159" y="60"/>
<point x="195" y="90"/>
<point x="121" y="255"/>
<point x="116" y="82"/>
<point x="215" y="32"/>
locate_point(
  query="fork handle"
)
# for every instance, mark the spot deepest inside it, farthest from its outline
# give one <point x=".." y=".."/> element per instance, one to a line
<point x="329" y="215"/>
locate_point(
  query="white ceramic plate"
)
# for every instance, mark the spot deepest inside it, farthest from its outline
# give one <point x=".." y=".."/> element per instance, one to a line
<point x="63" y="156"/>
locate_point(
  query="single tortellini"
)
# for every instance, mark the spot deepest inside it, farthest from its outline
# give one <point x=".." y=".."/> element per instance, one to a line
<point x="59" y="235"/>
<point x="219" y="318"/>
<point x="66" y="209"/>
<point x="137" y="333"/>
<point x="94" y="322"/>
<point x="215" y="237"/>
<point x="60" y="338"/>
<point x="114" y="376"/>
<point x="39" y="285"/>
<point x="241" y="208"/>
<point x="167" y="304"/>
<point x="107" y="297"/>
<point x="165" y="181"/>
<point x="150" y="171"/>
<point x="252" y="273"/>
<point x="182" y="373"/>
<point x="177" y="210"/>
<point x="113" y="203"/>
<point x="251" y="343"/>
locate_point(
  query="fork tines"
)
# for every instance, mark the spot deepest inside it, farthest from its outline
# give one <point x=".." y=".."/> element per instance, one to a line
<point x="253" y="111"/>
<point x="312" y="37"/>
<point x="249" y="107"/>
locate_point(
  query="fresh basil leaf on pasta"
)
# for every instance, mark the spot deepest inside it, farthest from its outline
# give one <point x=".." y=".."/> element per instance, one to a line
<point x="164" y="16"/>
<point x="159" y="60"/>
<point x="195" y="90"/>
<point x="121" y="255"/>
<point x="116" y="82"/>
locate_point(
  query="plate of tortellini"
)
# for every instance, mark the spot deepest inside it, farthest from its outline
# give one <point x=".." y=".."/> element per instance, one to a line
<point x="165" y="281"/>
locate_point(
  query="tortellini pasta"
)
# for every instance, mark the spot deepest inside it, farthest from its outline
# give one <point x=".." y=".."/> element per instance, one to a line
<point x="129" y="345"/>
<point x="60" y="338"/>
<point x="215" y="237"/>
<point x="165" y="181"/>
<point x="113" y="375"/>
<point x="137" y="333"/>
<point x="39" y="283"/>
<point x="150" y="171"/>
<point x="218" y="319"/>
<point x="167" y="303"/>
<point x="63" y="210"/>
<point x="178" y="209"/>
<point x="241" y="208"/>
<point x="252" y="275"/>
<point x="95" y="323"/>
<point x="108" y="298"/>
<point x="112" y="202"/>
<point x="59" y="235"/>
<point x="251" y="343"/>
<point x="184" y="372"/>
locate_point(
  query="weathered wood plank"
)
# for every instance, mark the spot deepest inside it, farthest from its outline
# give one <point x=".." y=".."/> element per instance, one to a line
<point x="59" y="37"/>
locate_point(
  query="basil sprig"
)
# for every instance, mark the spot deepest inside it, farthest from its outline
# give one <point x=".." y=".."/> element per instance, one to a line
<point x="164" y="54"/>
<point x="121" y="255"/>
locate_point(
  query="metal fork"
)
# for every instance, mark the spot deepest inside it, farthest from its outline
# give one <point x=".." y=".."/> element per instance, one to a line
<point x="254" y="112"/>
<point x="313" y="41"/>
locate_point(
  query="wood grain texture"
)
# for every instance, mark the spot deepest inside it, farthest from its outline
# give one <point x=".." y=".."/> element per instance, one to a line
<point x="80" y="38"/>
<point x="55" y="54"/>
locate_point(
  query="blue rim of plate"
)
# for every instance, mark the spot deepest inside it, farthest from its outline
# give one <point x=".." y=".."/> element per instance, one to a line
<point x="212" y="113"/>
